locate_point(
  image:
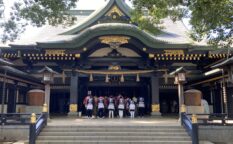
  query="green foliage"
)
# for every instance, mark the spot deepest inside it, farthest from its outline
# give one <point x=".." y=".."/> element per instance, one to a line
<point x="36" y="13"/>
<point x="211" y="19"/>
<point x="149" y="13"/>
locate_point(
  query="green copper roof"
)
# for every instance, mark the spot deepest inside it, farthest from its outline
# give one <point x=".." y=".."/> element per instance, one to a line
<point x="94" y="17"/>
<point x="78" y="40"/>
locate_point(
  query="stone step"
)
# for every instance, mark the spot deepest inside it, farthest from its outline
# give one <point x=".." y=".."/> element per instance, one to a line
<point x="119" y="127"/>
<point x="113" y="133"/>
<point x="77" y="129"/>
<point x="116" y="138"/>
<point x="113" y="142"/>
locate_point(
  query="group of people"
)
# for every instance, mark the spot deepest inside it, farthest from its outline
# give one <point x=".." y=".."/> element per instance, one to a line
<point x="113" y="106"/>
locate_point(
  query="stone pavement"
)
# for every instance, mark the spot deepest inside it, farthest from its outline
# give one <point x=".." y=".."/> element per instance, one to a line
<point x="147" y="121"/>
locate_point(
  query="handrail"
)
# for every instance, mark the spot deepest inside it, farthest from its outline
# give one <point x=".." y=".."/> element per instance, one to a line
<point x="15" y="118"/>
<point x="186" y="122"/>
<point x="36" y="128"/>
<point x="24" y="119"/>
<point x="191" y="128"/>
<point x="203" y="119"/>
<point x="213" y="119"/>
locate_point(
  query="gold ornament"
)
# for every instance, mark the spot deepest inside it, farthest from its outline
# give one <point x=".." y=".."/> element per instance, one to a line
<point x="155" y="107"/>
<point x="115" y="9"/>
<point x="114" y="39"/>
<point x="194" y="118"/>
<point x="33" y="118"/>
<point x="45" y="108"/>
<point x="73" y="107"/>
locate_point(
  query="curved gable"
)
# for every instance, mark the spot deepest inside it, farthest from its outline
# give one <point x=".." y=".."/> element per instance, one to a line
<point x="112" y="6"/>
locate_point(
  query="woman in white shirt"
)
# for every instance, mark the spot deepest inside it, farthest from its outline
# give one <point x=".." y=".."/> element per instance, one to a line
<point x="111" y="108"/>
<point x="101" y="106"/>
<point x="121" y="107"/>
<point x="132" y="109"/>
<point x="141" y="107"/>
<point x="90" y="107"/>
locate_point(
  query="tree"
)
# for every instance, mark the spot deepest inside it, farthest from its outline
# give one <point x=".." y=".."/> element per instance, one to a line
<point x="210" y="19"/>
<point x="36" y="13"/>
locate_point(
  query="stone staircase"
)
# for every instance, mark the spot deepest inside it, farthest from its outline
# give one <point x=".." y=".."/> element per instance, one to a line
<point x="113" y="135"/>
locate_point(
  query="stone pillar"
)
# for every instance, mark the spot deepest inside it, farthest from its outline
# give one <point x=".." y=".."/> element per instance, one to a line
<point x="155" y="106"/>
<point x="47" y="95"/>
<point x="181" y="97"/>
<point x="73" y="108"/>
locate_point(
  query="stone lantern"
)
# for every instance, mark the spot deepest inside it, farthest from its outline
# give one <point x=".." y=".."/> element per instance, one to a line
<point x="180" y="79"/>
<point x="47" y="79"/>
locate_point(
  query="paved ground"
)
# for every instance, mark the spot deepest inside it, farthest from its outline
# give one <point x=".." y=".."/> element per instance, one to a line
<point x="147" y="121"/>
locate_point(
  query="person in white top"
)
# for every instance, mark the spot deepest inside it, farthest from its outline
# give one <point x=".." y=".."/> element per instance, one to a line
<point x="89" y="107"/>
<point x="101" y="107"/>
<point x="121" y="107"/>
<point x="205" y="104"/>
<point x="141" y="107"/>
<point x="111" y="108"/>
<point x="132" y="109"/>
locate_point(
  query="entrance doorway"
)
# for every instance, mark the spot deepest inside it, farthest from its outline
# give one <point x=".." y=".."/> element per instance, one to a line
<point x="169" y="103"/>
<point x="59" y="102"/>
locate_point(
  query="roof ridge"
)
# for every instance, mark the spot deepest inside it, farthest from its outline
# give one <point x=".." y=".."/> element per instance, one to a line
<point x="98" y="14"/>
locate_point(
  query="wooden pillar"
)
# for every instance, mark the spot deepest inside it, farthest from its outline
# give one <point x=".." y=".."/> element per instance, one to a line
<point x="3" y="93"/>
<point x="230" y="99"/>
<point x="11" y="104"/>
<point x="155" y="106"/>
<point x="224" y="94"/>
<point x="73" y="108"/>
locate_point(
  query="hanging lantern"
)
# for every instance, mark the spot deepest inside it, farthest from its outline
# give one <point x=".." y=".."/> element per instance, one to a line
<point x="138" y="78"/>
<point x="107" y="79"/>
<point x="91" y="78"/>
<point x="122" y="78"/>
<point x="63" y="77"/>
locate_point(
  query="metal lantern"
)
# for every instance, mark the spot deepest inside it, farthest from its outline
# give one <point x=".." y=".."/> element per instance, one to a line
<point x="47" y="77"/>
<point x="91" y="78"/>
<point x="138" y="78"/>
<point x="48" y="74"/>
<point x="122" y="79"/>
<point x="107" y="79"/>
<point x="181" y="77"/>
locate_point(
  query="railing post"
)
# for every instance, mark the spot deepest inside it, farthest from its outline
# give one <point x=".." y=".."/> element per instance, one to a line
<point x="182" y="118"/>
<point x="32" y="130"/>
<point x="195" y="138"/>
<point x="45" y="113"/>
<point x="183" y="110"/>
